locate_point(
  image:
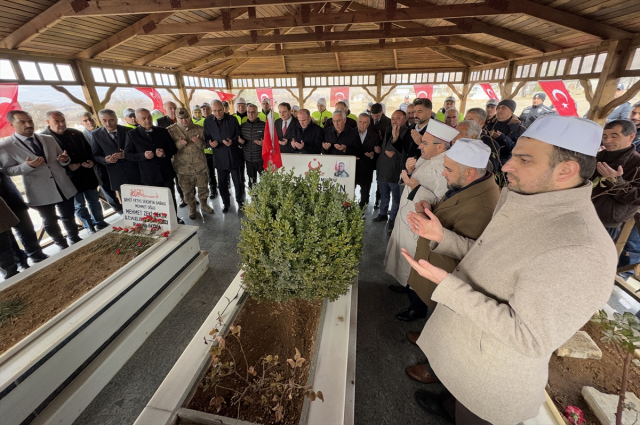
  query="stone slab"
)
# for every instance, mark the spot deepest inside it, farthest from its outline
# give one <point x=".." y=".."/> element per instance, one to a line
<point x="604" y="406"/>
<point x="580" y="346"/>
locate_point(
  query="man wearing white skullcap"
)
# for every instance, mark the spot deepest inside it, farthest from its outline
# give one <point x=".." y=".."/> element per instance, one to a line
<point x="465" y="209"/>
<point x="321" y="115"/>
<point x="423" y="181"/>
<point x="533" y="278"/>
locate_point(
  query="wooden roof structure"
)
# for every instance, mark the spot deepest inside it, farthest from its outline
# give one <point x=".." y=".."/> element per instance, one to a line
<point x="256" y="43"/>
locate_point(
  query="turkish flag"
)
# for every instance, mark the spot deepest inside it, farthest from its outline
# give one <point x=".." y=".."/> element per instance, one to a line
<point x="270" y="145"/>
<point x="560" y="97"/>
<point x="338" y="94"/>
<point x="8" y="102"/>
<point x="154" y="96"/>
<point x="222" y="95"/>
<point x="489" y="91"/>
<point x="262" y="93"/>
<point x="423" y="91"/>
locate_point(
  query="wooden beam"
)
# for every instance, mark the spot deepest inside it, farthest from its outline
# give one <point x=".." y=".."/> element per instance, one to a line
<point x="469" y="56"/>
<point x="284" y="64"/>
<point x="482" y="48"/>
<point x="81" y="69"/>
<point x="565" y="19"/>
<point x="311" y="36"/>
<point x="223" y="65"/>
<point x="338" y="62"/>
<point x="119" y="7"/>
<point x="608" y="81"/>
<point x="182" y="91"/>
<point x="224" y="53"/>
<point x="359" y="17"/>
<point x="72" y="98"/>
<point x="472" y="26"/>
<point x="36" y="25"/>
<point x="627" y="96"/>
<point x="467" y="62"/>
<point x="185" y="41"/>
<point x="124" y="35"/>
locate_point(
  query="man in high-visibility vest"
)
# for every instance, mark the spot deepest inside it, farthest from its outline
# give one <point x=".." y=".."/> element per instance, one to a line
<point x="348" y="111"/>
<point x="129" y="116"/>
<point x="197" y="117"/>
<point x="266" y="109"/>
<point x="321" y="115"/>
<point x="241" y="111"/>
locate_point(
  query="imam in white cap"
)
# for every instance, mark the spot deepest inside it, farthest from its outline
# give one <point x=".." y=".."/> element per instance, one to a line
<point x="240" y="101"/>
<point x="441" y="131"/>
<point x="322" y="101"/>
<point x="470" y="152"/>
<point x="571" y="133"/>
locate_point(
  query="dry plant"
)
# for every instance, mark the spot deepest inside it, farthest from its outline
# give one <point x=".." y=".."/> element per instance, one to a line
<point x="614" y="190"/>
<point x="269" y="382"/>
<point x="10" y="310"/>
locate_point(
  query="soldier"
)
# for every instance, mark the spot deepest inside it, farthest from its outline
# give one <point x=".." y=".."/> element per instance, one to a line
<point x="537" y="109"/>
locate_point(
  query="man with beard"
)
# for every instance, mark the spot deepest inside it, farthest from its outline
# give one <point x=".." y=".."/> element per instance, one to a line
<point x="411" y="140"/>
<point x="465" y="209"/>
<point x="505" y="128"/>
<point x="497" y="323"/>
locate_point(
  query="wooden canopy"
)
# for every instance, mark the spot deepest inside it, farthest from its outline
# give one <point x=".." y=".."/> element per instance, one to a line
<point x="228" y="40"/>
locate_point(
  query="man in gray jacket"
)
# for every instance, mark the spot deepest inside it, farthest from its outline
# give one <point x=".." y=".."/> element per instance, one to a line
<point x="497" y="322"/>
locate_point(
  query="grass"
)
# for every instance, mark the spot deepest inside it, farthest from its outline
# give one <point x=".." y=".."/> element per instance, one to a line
<point x="10" y="310"/>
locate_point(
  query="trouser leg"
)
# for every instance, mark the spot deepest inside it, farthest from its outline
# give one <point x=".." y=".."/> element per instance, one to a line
<point x="19" y="255"/>
<point x="188" y="184"/>
<point x="252" y="173"/>
<point x="112" y="199"/>
<point x="26" y="233"/>
<point x="223" y="185"/>
<point x="7" y="261"/>
<point x="415" y="302"/>
<point x="93" y="201"/>
<point x="201" y="181"/>
<point x="385" y="198"/>
<point x="364" y="193"/>
<point x="212" y="173"/>
<point x="65" y="210"/>
<point x="82" y="212"/>
<point x="395" y="205"/>
<point x="236" y="176"/>
<point x="177" y="184"/>
<point x="50" y="222"/>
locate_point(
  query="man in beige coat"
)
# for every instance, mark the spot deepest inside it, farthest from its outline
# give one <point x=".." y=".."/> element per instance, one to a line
<point x="190" y="162"/>
<point x="535" y="276"/>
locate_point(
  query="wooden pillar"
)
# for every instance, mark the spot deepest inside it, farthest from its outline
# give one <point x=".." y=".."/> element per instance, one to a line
<point x="88" y="86"/>
<point x="466" y="88"/>
<point x="378" y="97"/>
<point x="182" y="91"/>
<point x="617" y="57"/>
<point x="300" y="79"/>
<point x="232" y="103"/>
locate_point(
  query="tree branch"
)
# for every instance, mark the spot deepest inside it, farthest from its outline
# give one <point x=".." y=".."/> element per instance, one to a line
<point x="307" y="98"/>
<point x="107" y="96"/>
<point x="73" y="98"/>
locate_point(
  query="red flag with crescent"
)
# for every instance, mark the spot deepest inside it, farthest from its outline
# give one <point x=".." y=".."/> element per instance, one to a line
<point x="154" y="96"/>
<point x="338" y="94"/>
<point x="489" y="91"/>
<point x="8" y="102"/>
<point x="262" y="93"/>
<point x="560" y="97"/>
<point x="222" y="95"/>
<point x="270" y="144"/>
<point x="423" y="91"/>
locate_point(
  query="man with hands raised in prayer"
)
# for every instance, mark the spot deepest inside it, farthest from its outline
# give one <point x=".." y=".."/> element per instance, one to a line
<point x="252" y="131"/>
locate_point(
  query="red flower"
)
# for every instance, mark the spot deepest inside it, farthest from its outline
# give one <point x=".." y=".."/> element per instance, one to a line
<point x="126" y="230"/>
<point x="166" y="234"/>
<point x="139" y="243"/>
<point x="155" y="214"/>
<point x="574" y="414"/>
<point x="118" y="251"/>
<point x="114" y="228"/>
<point x="164" y="214"/>
<point x="346" y="205"/>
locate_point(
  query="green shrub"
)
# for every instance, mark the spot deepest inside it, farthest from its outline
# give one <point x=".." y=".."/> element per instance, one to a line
<point x="300" y="238"/>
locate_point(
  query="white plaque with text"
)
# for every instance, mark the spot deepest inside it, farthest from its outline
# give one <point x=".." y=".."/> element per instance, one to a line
<point x="139" y="202"/>
<point x="340" y="169"/>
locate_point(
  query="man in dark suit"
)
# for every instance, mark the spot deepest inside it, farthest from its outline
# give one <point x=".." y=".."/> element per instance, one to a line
<point x="379" y="123"/>
<point x="80" y="170"/>
<point x="341" y="106"/>
<point x="170" y="118"/>
<point x="365" y="164"/>
<point x="411" y="140"/>
<point x="309" y="135"/>
<point x="286" y="127"/>
<point x="339" y="139"/>
<point x="221" y="132"/>
<point x="108" y="149"/>
<point x="152" y="148"/>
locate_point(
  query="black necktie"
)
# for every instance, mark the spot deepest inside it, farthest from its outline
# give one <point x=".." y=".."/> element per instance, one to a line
<point x="113" y="135"/>
<point x="35" y="146"/>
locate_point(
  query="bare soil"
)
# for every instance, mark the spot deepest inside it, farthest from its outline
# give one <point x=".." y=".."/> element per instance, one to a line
<point x="52" y="289"/>
<point x="567" y="376"/>
<point x="267" y="329"/>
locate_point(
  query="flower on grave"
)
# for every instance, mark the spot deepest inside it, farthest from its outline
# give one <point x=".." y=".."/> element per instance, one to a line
<point x="164" y="215"/>
<point x="346" y="205"/>
<point x="155" y="214"/>
<point x="139" y="243"/>
<point x="115" y="229"/>
<point x="166" y="234"/>
<point x="118" y="251"/>
<point x="575" y="415"/>
<point x="126" y="230"/>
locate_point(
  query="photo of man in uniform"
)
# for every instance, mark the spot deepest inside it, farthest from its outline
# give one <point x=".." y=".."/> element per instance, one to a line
<point x="341" y="172"/>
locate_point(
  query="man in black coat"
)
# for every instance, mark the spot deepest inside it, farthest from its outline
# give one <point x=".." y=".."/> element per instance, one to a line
<point x="252" y="137"/>
<point x="339" y="139"/>
<point x="152" y="148"/>
<point x="379" y="123"/>
<point x="221" y="131"/>
<point x="108" y="150"/>
<point x="170" y="118"/>
<point x="286" y="127"/>
<point x="24" y="229"/>
<point x="411" y="140"/>
<point x="309" y="135"/>
<point x="365" y="164"/>
<point x="341" y="106"/>
<point x="80" y="170"/>
<point x="505" y="128"/>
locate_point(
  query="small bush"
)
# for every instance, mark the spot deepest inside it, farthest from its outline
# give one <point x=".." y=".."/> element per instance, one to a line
<point x="300" y="238"/>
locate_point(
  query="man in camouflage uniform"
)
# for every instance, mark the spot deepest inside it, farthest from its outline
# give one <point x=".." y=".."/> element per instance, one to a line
<point x="189" y="162"/>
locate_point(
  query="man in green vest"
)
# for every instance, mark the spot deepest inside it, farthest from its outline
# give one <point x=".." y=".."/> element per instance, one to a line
<point x="449" y="103"/>
<point x="349" y="113"/>
<point x="266" y="109"/>
<point x="197" y="117"/>
<point x="129" y="116"/>
<point x="241" y="110"/>
<point x="321" y="115"/>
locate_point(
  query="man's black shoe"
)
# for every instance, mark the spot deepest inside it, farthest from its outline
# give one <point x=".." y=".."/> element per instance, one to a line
<point x="431" y="402"/>
<point x="213" y="193"/>
<point x="182" y="204"/>
<point x="380" y="218"/>
<point x="38" y="256"/>
<point x="409" y="315"/>
<point x="399" y="289"/>
<point x="376" y="205"/>
<point x="180" y="221"/>
<point x="240" y="205"/>
<point x="62" y="245"/>
<point x="225" y="209"/>
<point x="74" y="239"/>
<point x="390" y="224"/>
